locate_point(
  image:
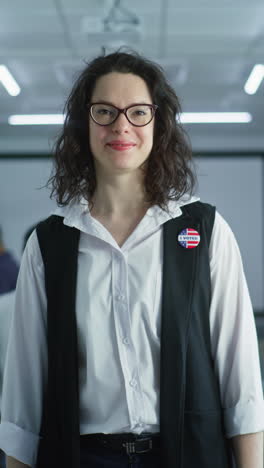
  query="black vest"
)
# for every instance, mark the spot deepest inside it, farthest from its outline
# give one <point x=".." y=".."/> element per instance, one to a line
<point x="191" y="421"/>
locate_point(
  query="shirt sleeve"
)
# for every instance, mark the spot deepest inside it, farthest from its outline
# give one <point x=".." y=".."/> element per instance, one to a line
<point x="25" y="371"/>
<point x="233" y="336"/>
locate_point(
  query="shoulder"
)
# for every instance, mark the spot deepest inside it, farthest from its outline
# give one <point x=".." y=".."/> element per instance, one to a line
<point x="52" y="222"/>
<point x="49" y="229"/>
<point x="31" y="255"/>
<point x="203" y="213"/>
<point x="222" y="237"/>
<point x="223" y="244"/>
<point x="222" y="229"/>
<point x="199" y="208"/>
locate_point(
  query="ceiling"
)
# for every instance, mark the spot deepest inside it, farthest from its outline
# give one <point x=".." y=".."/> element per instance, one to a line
<point x="207" y="49"/>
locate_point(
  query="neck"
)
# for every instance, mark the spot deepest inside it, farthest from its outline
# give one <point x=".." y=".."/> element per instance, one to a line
<point x="123" y="196"/>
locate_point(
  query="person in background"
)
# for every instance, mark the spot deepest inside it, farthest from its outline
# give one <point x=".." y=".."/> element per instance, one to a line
<point x="8" y="268"/>
<point x="133" y="341"/>
<point x="7" y="305"/>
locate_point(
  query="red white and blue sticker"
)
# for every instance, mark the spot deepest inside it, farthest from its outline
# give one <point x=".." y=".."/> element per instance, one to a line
<point x="189" y="238"/>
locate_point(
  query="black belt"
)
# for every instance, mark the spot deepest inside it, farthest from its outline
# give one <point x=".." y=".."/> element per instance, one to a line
<point x="131" y="443"/>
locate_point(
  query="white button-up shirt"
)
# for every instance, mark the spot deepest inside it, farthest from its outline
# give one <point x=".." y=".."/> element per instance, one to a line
<point x="118" y="309"/>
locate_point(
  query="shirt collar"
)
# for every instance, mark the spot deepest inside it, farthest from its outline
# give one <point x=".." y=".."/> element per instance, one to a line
<point x="174" y="207"/>
<point x="76" y="213"/>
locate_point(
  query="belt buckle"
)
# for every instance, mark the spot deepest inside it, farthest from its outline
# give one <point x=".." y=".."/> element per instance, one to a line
<point x="131" y="447"/>
<point x="149" y="447"/>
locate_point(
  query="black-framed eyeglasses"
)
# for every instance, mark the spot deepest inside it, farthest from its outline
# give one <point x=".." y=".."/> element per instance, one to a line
<point x="138" y="115"/>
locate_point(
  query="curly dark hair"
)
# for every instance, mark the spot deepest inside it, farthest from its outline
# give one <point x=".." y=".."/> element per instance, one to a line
<point x="168" y="171"/>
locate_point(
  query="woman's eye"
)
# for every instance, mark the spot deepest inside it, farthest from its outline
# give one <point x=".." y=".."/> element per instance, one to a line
<point x="104" y="112"/>
<point x="139" y="112"/>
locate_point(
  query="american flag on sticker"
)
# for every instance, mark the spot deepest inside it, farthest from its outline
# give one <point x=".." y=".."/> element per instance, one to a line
<point x="189" y="238"/>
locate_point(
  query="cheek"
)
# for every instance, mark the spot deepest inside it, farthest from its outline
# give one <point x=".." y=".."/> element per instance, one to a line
<point x="97" y="135"/>
<point x="147" y="136"/>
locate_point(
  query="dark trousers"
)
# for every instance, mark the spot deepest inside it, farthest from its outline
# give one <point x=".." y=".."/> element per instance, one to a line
<point x="104" y="458"/>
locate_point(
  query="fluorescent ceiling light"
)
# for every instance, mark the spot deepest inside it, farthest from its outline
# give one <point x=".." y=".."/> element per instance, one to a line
<point x="215" y="117"/>
<point x="8" y="81"/>
<point x="254" y="79"/>
<point x="36" y="119"/>
<point x="186" y="117"/>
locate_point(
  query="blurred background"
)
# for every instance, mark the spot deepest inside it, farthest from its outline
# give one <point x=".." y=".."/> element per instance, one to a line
<point x="213" y="55"/>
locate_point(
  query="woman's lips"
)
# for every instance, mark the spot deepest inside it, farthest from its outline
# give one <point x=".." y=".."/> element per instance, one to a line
<point x="120" y="146"/>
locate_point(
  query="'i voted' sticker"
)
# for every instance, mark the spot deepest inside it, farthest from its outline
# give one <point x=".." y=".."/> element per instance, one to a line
<point x="189" y="238"/>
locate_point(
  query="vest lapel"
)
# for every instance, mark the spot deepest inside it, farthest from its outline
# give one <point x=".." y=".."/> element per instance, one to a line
<point x="60" y="422"/>
<point x="178" y="283"/>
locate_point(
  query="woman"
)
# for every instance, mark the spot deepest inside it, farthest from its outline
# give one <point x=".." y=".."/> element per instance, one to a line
<point x="133" y="341"/>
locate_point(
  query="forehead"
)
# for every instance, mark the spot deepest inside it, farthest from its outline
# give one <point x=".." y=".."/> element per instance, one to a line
<point x="121" y="89"/>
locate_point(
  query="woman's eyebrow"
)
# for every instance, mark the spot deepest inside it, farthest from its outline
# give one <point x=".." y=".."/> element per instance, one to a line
<point x="103" y="101"/>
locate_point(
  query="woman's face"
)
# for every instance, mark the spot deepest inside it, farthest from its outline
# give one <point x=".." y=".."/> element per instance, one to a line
<point x="120" y="147"/>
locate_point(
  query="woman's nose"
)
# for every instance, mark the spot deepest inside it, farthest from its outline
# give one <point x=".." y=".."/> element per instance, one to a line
<point x="121" y="124"/>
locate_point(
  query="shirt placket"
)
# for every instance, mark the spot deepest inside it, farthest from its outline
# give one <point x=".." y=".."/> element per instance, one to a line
<point x="128" y="358"/>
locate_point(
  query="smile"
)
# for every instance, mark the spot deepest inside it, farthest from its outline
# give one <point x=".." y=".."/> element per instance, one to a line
<point x="120" y="146"/>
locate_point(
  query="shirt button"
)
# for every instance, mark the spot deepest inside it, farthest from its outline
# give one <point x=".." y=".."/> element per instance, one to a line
<point x="133" y="383"/>
<point x="126" y="341"/>
<point x="120" y="297"/>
